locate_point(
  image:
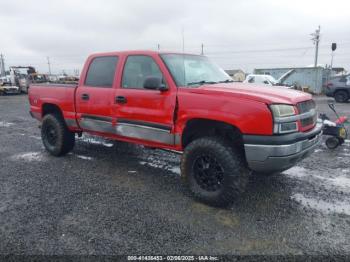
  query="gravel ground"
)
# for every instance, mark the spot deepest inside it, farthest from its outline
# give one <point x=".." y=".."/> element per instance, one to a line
<point x="114" y="198"/>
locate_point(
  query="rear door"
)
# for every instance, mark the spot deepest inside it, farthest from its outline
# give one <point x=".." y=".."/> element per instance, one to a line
<point x="95" y="96"/>
<point x="142" y="113"/>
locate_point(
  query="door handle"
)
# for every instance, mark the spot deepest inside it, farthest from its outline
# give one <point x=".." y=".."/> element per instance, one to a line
<point x="85" y="96"/>
<point x="121" y="99"/>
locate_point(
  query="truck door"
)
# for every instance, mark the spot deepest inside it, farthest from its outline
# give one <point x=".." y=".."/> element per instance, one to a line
<point x="95" y="96"/>
<point x="145" y="114"/>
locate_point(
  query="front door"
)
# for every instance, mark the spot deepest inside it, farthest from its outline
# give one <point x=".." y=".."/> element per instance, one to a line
<point x="142" y="113"/>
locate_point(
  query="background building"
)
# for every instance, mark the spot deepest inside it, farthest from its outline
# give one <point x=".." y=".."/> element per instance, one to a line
<point x="311" y="78"/>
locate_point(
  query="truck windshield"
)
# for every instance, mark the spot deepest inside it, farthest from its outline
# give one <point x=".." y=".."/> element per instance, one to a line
<point x="194" y="70"/>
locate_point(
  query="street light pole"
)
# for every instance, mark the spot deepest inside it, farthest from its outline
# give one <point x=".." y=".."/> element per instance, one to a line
<point x="334" y="47"/>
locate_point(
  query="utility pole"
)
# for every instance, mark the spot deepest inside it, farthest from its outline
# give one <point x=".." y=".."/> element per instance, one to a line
<point x="48" y="63"/>
<point x="202" y="49"/>
<point x="316" y="39"/>
<point x="183" y="39"/>
<point x="158" y="47"/>
<point x="2" y="67"/>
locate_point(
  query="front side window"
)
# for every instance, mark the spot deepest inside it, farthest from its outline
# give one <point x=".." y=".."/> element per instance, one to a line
<point x="101" y="71"/>
<point x="137" y="69"/>
<point x="194" y="70"/>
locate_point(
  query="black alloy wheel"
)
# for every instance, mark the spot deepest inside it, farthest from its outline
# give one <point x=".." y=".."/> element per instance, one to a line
<point x="208" y="173"/>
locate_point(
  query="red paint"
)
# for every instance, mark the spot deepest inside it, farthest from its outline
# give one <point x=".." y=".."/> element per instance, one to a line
<point x="243" y="105"/>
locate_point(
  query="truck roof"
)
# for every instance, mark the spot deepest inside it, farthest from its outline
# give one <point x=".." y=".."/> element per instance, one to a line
<point x="131" y="52"/>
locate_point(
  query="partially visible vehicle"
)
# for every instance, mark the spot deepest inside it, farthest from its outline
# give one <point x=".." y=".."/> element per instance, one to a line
<point x="37" y="78"/>
<point x="335" y="130"/>
<point x="53" y="78"/>
<point x="269" y="80"/>
<point x="261" y="79"/>
<point x="339" y="88"/>
<point x="68" y="79"/>
<point x="7" y="88"/>
<point x="5" y="80"/>
<point x="20" y="76"/>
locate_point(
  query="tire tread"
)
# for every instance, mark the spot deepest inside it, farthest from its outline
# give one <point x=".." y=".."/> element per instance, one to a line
<point x="238" y="175"/>
<point x="67" y="138"/>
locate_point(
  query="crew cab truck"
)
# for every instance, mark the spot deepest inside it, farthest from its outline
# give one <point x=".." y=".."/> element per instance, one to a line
<point x="186" y="103"/>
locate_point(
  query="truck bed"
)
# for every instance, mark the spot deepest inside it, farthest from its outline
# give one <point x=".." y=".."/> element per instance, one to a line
<point x="62" y="95"/>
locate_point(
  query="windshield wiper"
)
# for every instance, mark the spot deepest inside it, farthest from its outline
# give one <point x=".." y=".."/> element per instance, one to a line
<point x="226" y="81"/>
<point x="202" y="83"/>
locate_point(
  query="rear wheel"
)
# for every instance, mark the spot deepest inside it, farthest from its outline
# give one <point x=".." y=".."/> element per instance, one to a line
<point x="341" y="96"/>
<point x="332" y="142"/>
<point x="56" y="137"/>
<point x="214" y="171"/>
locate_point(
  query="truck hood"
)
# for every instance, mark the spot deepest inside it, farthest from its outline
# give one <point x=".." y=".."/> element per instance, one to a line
<point x="261" y="93"/>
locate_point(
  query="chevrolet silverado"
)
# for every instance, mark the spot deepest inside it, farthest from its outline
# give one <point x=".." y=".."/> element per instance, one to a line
<point x="186" y="103"/>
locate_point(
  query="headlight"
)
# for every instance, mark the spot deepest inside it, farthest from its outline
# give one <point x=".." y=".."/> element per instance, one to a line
<point x="282" y="110"/>
<point x="282" y="117"/>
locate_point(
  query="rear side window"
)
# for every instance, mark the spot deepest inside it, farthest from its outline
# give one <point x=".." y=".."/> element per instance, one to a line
<point x="101" y="71"/>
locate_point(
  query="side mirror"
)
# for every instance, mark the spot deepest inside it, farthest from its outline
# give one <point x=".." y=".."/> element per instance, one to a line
<point x="154" y="83"/>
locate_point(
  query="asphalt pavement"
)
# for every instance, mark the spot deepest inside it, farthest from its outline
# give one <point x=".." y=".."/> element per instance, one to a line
<point x="107" y="198"/>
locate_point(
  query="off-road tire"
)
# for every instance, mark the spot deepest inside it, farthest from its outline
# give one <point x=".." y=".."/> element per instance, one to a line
<point x="341" y="96"/>
<point x="53" y="125"/>
<point x="235" y="174"/>
<point x="264" y="174"/>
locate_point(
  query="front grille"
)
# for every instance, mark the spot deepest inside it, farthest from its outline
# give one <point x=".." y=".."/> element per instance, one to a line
<point x="306" y="106"/>
<point x="308" y="121"/>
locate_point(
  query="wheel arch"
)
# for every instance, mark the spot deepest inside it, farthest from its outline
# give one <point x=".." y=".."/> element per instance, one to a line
<point x="201" y="127"/>
<point x="346" y="90"/>
<point x="50" y="108"/>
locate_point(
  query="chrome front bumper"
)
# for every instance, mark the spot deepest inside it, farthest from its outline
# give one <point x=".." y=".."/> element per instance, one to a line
<point x="278" y="157"/>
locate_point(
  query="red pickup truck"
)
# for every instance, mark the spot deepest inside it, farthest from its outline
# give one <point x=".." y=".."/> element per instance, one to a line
<point x="186" y="103"/>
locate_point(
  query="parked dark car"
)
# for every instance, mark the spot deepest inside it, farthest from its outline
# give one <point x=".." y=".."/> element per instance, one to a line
<point x="339" y="88"/>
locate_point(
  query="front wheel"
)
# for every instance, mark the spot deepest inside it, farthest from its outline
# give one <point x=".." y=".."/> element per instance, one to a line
<point x="56" y="137"/>
<point x="215" y="172"/>
<point x="341" y="96"/>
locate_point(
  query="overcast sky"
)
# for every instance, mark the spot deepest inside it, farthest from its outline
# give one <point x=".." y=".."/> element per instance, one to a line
<point x="236" y="34"/>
